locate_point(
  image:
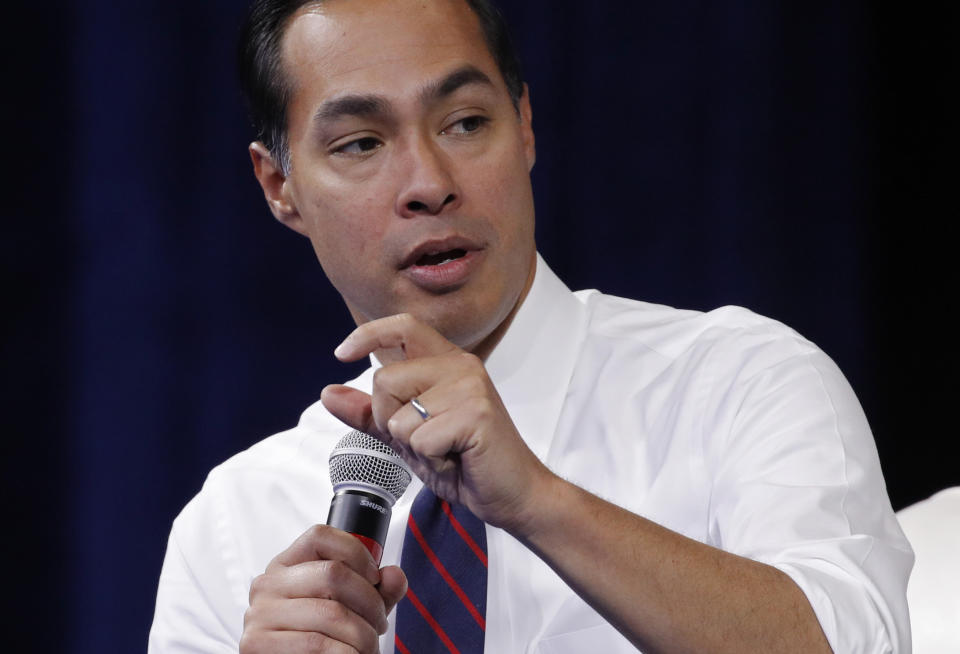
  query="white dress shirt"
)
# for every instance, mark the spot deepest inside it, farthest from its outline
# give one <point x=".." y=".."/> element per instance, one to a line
<point x="726" y="427"/>
<point x="933" y="528"/>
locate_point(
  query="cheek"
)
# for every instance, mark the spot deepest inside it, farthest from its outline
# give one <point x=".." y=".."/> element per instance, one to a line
<point x="345" y="238"/>
<point x="512" y="205"/>
<point x="349" y="213"/>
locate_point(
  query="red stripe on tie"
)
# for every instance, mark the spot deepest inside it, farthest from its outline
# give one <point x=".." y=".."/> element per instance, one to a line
<point x="454" y="586"/>
<point x="417" y="604"/>
<point x="399" y="645"/>
<point x="464" y="535"/>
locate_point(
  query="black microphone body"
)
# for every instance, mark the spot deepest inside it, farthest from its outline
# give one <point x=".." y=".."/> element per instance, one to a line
<point x="365" y="515"/>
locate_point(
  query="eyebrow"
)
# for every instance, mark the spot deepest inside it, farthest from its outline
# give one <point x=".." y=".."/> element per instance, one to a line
<point x="369" y="105"/>
<point x="446" y="86"/>
<point x="361" y="106"/>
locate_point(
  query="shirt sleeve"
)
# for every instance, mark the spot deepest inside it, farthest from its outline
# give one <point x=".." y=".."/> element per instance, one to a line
<point x="798" y="486"/>
<point x="200" y="605"/>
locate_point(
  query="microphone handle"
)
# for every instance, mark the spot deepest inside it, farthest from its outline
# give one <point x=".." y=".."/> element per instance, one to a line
<point x="363" y="514"/>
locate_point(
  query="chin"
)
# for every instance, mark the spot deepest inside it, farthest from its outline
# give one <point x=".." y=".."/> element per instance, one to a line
<point x="463" y="330"/>
<point x="456" y="330"/>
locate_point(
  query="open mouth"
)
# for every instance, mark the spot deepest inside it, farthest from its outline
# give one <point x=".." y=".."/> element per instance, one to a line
<point x="440" y="258"/>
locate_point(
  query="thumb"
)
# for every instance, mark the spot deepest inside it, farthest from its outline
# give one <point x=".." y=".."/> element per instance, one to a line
<point x="393" y="586"/>
<point x="350" y="406"/>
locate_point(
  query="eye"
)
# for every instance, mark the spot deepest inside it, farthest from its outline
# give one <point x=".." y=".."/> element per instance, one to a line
<point x="360" y="146"/>
<point x="467" y="125"/>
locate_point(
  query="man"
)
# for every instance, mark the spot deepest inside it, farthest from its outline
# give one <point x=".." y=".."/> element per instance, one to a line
<point x="745" y="510"/>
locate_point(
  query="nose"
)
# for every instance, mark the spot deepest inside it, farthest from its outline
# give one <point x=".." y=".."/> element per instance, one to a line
<point x="429" y="186"/>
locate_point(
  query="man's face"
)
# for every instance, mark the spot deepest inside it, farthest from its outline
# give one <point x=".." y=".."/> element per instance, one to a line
<point x="410" y="165"/>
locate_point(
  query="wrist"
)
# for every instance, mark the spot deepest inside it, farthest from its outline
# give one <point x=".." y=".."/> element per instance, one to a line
<point x="540" y="507"/>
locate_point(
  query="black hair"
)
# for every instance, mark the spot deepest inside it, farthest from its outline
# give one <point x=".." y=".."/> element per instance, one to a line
<point x="267" y="89"/>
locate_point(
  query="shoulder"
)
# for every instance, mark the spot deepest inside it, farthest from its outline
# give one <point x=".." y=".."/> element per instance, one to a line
<point x="729" y="335"/>
<point x="254" y="504"/>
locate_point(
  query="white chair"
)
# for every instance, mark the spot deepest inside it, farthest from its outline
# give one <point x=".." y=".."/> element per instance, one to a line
<point x="933" y="593"/>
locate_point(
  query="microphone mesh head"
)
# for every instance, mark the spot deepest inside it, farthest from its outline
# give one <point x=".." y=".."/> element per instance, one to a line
<point x="360" y="461"/>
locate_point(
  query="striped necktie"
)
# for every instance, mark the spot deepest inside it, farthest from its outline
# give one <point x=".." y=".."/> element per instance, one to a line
<point x="445" y="559"/>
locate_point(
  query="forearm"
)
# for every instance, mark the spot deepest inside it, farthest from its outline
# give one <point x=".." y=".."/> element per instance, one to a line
<point x="663" y="591"/>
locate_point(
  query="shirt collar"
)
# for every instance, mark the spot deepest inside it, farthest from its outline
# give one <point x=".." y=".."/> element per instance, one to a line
<point x="532" y="365"/>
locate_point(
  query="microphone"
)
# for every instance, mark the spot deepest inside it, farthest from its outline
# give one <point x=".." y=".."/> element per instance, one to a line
<point x="368" y="477"/>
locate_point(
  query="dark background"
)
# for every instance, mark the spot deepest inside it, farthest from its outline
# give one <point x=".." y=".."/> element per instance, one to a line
<point x="794" y="157"/>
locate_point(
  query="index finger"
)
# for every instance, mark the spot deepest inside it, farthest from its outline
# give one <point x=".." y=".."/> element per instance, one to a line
<point x="325" y="543"/>
<point x="402" y="332"/>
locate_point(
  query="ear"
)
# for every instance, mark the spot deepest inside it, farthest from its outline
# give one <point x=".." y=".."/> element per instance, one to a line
<point x="526" y="127"/>
<point x="275" y="187"/>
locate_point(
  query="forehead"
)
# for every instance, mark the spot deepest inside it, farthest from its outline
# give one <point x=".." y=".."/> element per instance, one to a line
<point x="387" y="47"/>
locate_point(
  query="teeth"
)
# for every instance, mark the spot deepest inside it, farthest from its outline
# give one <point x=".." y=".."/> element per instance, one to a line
<point x="440" y="257"/>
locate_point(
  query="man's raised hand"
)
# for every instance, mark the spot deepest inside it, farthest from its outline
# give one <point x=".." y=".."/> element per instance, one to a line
<point x="468" y="449"/>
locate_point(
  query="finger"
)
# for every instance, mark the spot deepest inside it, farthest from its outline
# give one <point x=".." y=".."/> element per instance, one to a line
<point x="464" y="395"/>
<point x="354" y="408"/>
<point x="393" y="586"/>
<point x="393" y="386"/>
<point x="322" y="616"/>
<point x="349" y="406"/>
<point x="322" y="542"/>
<point x="293" y="642"/>
<point x="396" y="384"/>
<point x="436" y="448"/>
<point x="413" y="338"/>
<point x="436" y="401"/>
<point x="457" y="373"/>
<point x="406" y="420"/>
<point x="441" y="441"/>
<point x="325" y="580"/>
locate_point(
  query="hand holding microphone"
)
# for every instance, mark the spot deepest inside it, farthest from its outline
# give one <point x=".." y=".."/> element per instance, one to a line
<point x="327" y="585"/>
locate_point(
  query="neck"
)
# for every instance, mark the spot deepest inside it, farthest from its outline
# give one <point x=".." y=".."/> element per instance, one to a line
<point x="487" y="345"/>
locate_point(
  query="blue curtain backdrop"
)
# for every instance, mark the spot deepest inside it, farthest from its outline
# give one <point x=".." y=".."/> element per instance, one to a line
<point x="797" y="158"/>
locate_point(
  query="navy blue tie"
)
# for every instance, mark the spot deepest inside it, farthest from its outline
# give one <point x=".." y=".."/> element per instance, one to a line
<point x="445" y="559"/>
